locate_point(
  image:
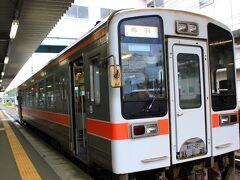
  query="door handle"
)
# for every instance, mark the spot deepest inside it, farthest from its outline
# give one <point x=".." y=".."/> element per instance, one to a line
<point x="179" y="113"/>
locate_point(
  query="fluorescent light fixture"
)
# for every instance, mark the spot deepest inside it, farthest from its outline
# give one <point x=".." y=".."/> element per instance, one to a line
<point x="2" y="74"/>
<point x="14" y="29"/>
<point x="6" y="60"/>
<point x="126" y="56"/>
<point x="0" y="80"/>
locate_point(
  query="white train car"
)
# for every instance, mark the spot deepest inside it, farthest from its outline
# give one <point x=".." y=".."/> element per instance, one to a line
<point x="149" y="90"/>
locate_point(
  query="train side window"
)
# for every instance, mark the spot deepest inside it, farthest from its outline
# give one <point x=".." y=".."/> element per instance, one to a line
<point x="33" y="95"/>
<point x="60" y="92"/>
<point x="24" y="97"/>
<point x="95" y="81"/>
<point x="36" y="95"/>
<point x="49" y="92"/>
<point x="29" y="97"/>
<point x="41" y="94"/>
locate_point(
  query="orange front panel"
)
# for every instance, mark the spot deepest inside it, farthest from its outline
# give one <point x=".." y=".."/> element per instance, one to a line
<point x="163" y="126"/>
<point x="108" y="130"/>
<point x="120" y="131"/>
<point x="215" y="120"/>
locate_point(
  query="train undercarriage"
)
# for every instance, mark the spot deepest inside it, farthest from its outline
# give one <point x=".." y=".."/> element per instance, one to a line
<point x="215" y="168"/>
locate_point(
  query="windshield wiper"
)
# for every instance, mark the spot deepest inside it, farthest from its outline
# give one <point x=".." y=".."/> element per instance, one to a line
<point x="149" y="107"/>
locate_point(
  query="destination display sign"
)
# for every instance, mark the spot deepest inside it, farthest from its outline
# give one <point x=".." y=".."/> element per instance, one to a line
<point x="141" y="31"/>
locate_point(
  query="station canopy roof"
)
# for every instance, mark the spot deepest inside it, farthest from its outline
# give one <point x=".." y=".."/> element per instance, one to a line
<point x="35" y="19"/>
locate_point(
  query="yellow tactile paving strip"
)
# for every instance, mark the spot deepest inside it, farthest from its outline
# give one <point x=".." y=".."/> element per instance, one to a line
<point x="24" y="164"/>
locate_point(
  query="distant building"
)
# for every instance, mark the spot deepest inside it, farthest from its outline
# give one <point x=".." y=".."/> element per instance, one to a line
<point x="84" y="14"/>
<point x="211" y="8"/>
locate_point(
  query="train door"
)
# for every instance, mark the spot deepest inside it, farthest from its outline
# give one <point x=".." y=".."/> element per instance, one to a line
<point x="78" y="108"/>
<point x="97" y="105"/>
<point x="189" y="100"/>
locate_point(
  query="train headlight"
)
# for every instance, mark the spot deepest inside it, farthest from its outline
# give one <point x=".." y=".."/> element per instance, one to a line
<point x="224" y="119"/>
<point x="182" y="27"/>
<point x="144" y="129"/>
<point x="228" y="119"/>
<point x="193" y="28"/>
<point x="189" y="28"/>
<point x="151" y="129"/>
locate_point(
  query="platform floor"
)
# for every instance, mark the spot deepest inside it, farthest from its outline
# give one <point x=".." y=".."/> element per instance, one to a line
<point x="24" y="155"/>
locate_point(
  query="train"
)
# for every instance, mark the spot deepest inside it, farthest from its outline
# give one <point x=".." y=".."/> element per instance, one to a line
<point x="145" y="92"/>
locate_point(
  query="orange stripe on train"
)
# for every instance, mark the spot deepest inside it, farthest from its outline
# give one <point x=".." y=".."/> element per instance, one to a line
<point x="50" y="116"/>
<point x="100" y="128"/>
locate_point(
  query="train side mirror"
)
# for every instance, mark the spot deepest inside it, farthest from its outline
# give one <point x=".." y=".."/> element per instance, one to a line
<point x="114" y="71"/>
<point x="115" y="76"/>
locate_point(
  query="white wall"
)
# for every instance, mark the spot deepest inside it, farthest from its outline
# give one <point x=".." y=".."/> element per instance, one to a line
<point x="226" y="11"/>
<point x="72" y="27"/>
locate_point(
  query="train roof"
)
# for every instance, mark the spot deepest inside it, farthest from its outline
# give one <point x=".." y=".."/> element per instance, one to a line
<point x="108" y="19"/>
<point x="123" y="11"/>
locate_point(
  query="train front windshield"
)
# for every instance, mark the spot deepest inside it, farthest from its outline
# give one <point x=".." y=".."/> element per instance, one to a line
<point x="143" y="89"/>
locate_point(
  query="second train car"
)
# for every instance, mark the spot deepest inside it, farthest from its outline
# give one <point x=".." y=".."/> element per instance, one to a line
<point x="146" y="89"/>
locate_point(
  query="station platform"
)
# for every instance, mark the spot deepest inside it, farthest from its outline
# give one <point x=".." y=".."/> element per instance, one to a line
<point x="24" y="155"/>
